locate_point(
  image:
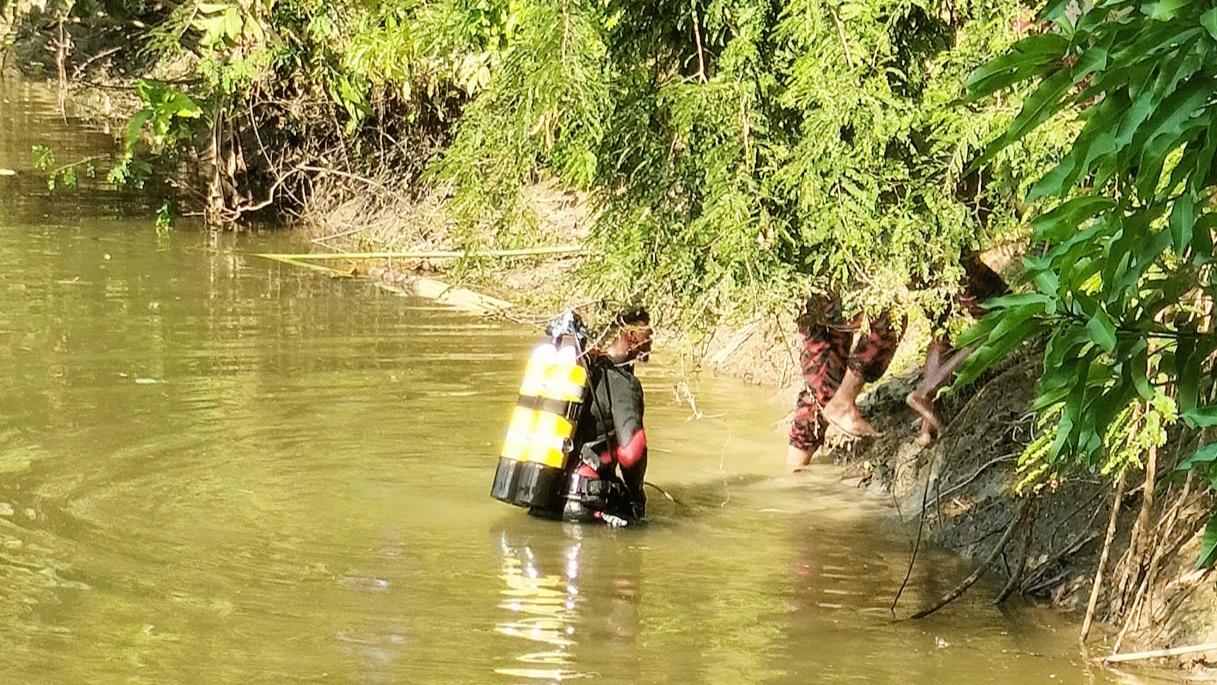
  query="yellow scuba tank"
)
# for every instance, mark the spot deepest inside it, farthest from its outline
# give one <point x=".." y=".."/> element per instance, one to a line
<point x="523" y="418"/>
<point x="531" y="469"/>
<point x="542" y="476"/>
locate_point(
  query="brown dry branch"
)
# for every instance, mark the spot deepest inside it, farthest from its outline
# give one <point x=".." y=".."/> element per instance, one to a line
<point x="1016" y="577"/>
<point x="1097" y="586"/>
<point x="1020" y="515"/>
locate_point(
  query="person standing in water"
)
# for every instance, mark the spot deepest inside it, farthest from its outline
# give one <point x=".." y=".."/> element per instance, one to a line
<point x="835" y="369"/>
<point x="611" y="432"/>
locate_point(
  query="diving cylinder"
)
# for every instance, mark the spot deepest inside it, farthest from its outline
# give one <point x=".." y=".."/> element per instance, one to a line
<point x="523" y="418"/>
<point x="542" y="475"/>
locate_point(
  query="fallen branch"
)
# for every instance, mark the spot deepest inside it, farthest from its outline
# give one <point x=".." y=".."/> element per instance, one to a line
<point x="1081" y="540"/>
<point x="969" y="480"/>
<point x="1097" y="586"/>
<point x="1017" y="576"/>
<point x="342" y="234"/>
<point x="929" y="473"/>
<point x="1160" y="653"/>
<point x="1019" y="515"/>
<point x="346" y="174"/>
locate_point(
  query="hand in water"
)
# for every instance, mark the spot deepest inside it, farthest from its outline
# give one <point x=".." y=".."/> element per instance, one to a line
<point x="614" y="521"/>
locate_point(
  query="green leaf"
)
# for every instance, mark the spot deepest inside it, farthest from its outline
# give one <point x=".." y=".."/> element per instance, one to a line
<point x="1201" y="417"/>
<point x="1165" y="10"/>
<point x="1202" y="458"/>
<point x="1137" y="368"/>
<point x="1064" y="218"/>
<point x="1102" y="331"/>
<point x="1183" y="221"/>
<point x="1208" y="545"/>
<point x="232" y="24"/>
<point x="1047" y="100"/>
<point x="1209" y="21"/>
<point x="1187" y="373"/>
<point x="1026" y="58"/>
<point x="997" y="348"/>
<point x="134" y="127"/>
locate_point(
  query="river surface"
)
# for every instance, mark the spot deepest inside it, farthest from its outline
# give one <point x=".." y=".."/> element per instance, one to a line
<point x="215" y="468"/>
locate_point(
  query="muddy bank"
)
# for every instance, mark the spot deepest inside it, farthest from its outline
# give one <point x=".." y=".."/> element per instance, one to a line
<point x="1153" y="598"/>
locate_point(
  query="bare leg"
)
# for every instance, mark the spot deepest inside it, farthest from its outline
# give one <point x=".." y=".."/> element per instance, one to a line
<point x="921" y="398"/>
<point x="938" y="372"/>
<point x="797" y="458"/>
<point x="842" y="410"/>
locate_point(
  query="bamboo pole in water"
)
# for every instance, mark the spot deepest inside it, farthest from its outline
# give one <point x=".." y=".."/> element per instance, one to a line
<point x="423" y="286"/>
<point x="1160" y="653"/>
<point x="432" y="254"/>
<point x="305" y="265"/>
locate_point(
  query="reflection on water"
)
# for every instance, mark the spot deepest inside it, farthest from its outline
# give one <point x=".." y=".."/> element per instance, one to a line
<point x="218" y="469"/>
<point x="541" y="598"/>
<point x="566" y="597"/>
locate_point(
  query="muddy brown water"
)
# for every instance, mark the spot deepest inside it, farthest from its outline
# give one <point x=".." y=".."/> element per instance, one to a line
<point x="219" y="469"/>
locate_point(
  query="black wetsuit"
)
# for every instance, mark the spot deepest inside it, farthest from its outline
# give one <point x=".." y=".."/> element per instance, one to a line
<point x="613" y="419"/>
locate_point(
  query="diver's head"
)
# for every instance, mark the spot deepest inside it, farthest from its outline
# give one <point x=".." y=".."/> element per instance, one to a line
<point x="632" y="327"/>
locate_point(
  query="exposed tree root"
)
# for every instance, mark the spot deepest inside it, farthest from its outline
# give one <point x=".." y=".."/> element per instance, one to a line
<point x="1017" y="576"/>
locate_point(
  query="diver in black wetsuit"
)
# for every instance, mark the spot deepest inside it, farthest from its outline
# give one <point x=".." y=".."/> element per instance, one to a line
<point x="611" y="433"/>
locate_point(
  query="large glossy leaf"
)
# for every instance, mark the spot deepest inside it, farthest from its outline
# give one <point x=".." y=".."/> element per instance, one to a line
<point x="1183" y="222"/>
<point x="1165" y="10"/>
<point x="1201" y="417"/>
<point x="997" y="348"/>
<point x="1026" y="58"/>
<point x="1102" y="331"/>
<point x="1209" y="21"/>
<point x="1205" y="457"/>
<point x="1064" y="218"/>
<point x="1047" y="100"/>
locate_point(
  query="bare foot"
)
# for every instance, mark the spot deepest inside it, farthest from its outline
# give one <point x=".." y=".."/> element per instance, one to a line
<point x="925" y="406"/>
<point x="926" y="436"/>
<point x="847" y="419"/>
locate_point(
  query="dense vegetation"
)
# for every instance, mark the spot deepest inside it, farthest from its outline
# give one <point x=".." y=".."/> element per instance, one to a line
<point x="1121" y="272"/>
<point x="738" y="153"/>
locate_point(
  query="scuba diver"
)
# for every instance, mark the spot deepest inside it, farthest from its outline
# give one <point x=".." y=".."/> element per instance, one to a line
<point x="577" y="422"/>
<point x="611" y="434"/>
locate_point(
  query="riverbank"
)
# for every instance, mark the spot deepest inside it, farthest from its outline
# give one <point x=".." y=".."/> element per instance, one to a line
<point x="965" y="484"/>
<point x="1151" y="596"/>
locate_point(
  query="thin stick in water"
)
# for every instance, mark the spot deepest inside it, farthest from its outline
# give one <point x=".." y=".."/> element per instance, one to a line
<point x="1098" y="573"/>
<point x="1160" y="653"/>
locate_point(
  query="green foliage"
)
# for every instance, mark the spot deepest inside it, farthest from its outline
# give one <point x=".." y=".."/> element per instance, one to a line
<point x="166" y="115"/>
<point x="164" y="218"/>
<point x="743" y="153"/>
<point x="739" y="154"/>
<point x="1122" y="280"/>
<point x="66" y="176"/>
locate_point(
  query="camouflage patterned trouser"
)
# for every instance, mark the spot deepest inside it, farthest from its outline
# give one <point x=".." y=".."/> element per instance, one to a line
<point x="826" y="355"/>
